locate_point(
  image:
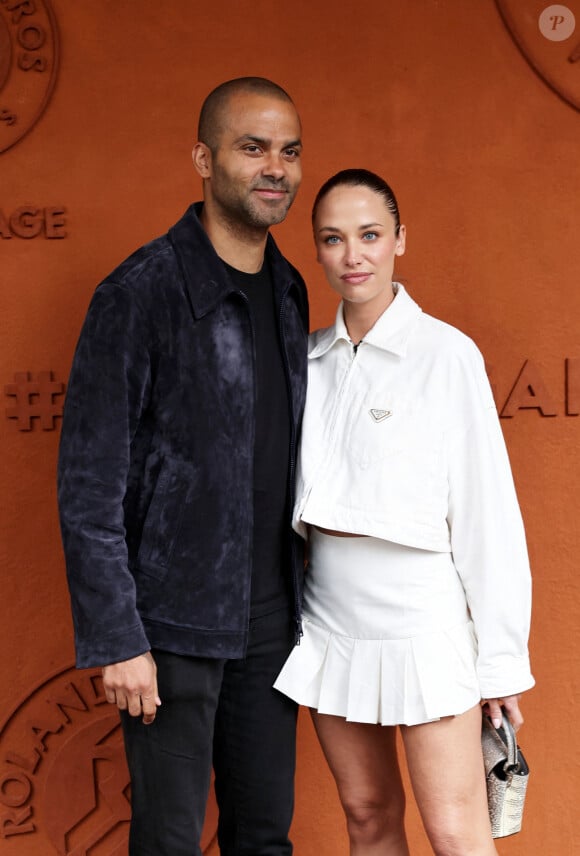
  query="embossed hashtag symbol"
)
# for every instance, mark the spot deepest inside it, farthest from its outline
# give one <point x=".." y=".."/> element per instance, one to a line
<point x="34" y="400"/>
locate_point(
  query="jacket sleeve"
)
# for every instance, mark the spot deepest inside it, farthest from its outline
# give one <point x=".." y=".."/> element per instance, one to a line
<point x="487" y="537"/>
<point x="107" y="391"/>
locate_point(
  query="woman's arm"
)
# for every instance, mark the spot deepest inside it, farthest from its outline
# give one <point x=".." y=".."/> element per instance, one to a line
<point x="488" y="540"/>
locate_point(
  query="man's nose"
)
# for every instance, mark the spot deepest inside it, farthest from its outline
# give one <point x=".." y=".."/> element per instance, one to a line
<point x="274" y="166"/>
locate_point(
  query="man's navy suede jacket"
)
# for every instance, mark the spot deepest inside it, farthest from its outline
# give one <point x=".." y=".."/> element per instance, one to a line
<point x="156" y="455"/>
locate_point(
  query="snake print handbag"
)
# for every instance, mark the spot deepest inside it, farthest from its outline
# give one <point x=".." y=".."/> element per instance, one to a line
<point x="506" y="773"/>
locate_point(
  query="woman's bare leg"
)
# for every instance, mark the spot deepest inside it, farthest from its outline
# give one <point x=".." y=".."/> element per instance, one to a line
<point x="446" y="768"/>
<point x="363" y="761"/>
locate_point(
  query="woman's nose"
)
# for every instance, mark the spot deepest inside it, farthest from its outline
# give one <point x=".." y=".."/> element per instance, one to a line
<point x="352" y="255"/>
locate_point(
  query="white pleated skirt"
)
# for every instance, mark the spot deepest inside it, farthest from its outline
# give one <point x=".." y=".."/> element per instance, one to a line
<point x="387" y="634"/>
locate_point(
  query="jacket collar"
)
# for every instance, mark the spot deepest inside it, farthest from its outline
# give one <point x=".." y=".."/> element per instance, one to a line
<point x="205" y="275"/>
<point x="390" y="333"/>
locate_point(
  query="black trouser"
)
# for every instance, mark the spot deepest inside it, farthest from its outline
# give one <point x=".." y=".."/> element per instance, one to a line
<point x="223" y="711"/>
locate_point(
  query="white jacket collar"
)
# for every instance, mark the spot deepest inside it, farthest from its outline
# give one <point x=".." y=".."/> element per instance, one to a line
<point x="390" y="332"/>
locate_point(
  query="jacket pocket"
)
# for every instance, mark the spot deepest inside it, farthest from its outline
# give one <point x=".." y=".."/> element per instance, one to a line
<point x="401" y="445"/>
<point x="164" y="517"/>
<point x="378" y="433"/>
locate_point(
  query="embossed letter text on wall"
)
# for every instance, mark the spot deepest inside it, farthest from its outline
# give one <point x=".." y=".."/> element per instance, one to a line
<point x="63" y="775"/>
<point x="30" y="221"/>
<point x="28" y="65"/>
<point x="530" y="391"/>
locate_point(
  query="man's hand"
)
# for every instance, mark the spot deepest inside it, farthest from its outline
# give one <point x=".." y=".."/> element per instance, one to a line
<point x="132" y="686"/>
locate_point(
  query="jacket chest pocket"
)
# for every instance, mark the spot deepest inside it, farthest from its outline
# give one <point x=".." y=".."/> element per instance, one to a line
<point x="377" y="433"/>
<point x="403" y="439"/>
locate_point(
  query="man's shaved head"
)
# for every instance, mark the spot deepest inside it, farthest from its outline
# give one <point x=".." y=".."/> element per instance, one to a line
<point x="211" y="117"/>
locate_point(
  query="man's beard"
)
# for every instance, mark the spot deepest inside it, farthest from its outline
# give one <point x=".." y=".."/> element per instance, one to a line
<point x="249" y="211"/>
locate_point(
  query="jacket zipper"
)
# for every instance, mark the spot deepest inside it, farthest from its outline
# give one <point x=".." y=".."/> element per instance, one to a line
<point x="333" y="424"/>
<point x="298" y="632"/>
<point x="253" y="336"/>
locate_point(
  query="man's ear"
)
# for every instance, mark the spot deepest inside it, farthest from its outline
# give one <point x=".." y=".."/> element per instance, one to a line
<point x="201" y="156"/>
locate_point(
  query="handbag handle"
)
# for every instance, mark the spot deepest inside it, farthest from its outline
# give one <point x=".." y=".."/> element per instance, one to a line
<point x="511" y="765"/>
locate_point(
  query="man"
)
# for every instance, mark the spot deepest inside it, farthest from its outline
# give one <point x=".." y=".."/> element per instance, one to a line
<point x="175" y="490"/>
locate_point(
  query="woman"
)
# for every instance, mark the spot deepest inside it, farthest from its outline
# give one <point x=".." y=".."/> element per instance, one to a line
<point x="417" y="596"/>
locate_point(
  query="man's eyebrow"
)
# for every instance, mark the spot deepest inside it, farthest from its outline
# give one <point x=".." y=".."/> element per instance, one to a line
<point x="261" y="141"/>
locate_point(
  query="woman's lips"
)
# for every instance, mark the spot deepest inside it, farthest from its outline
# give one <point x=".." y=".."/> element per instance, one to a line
<point x="355" y="278"/>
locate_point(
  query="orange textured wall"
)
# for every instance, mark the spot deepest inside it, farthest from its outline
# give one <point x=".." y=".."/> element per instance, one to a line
<point x="484" y="157"/>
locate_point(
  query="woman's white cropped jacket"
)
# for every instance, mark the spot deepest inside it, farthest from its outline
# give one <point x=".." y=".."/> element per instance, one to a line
<point x="401" y="440"/>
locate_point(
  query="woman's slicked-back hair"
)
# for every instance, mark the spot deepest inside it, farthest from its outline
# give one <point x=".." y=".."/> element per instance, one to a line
<point x="360" y="178"/>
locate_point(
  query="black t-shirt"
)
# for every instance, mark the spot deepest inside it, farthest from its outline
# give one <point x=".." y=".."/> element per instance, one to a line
<point x="270" y="577"/>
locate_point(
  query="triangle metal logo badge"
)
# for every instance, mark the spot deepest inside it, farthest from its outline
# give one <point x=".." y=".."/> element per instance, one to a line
<point x="380" y="415"/>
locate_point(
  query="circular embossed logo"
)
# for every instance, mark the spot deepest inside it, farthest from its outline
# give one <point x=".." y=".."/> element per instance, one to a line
<point x="64" y="784"/>
<point x="548" y="37"/>
<point x="28" y="65"/>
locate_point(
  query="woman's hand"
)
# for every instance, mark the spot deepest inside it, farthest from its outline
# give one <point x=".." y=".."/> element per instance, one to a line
<point x="492" y="707"/>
